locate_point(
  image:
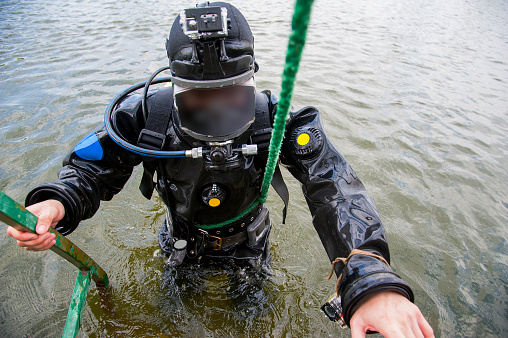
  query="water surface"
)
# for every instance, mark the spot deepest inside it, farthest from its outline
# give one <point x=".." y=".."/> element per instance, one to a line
<point x="413" y="93"/>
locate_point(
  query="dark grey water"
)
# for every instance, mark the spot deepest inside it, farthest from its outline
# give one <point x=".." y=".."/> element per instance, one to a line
<point x="413" y="93"/>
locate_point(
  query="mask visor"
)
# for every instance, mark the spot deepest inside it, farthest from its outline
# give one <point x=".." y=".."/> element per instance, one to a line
<point x="216" y="114"/>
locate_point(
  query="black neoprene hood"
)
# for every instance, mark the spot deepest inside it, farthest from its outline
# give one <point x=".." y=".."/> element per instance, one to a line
<point x="239" y="48"/>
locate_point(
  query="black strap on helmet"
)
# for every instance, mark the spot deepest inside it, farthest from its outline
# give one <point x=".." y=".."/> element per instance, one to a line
<point x="211" y="64"/>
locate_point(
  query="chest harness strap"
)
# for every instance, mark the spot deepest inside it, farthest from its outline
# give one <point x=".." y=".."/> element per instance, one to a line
<point x="281" y="189"/>
<point x="154" y="136"/>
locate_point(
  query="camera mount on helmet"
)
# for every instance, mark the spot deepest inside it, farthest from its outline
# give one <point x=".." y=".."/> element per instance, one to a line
<point x="204" y="22"/>
<point x="211" y="46"/>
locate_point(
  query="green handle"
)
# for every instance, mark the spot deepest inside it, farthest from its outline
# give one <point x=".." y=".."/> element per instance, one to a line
<point x="15" y="215"/>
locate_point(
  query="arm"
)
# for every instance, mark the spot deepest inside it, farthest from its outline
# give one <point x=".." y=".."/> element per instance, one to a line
<point x="95" y="170"/>
<point x="344" y="214"/>
<point x="87" y="177"/>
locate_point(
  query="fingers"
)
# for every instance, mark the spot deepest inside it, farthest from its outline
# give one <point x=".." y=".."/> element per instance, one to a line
<point x="386" y="328"/>
<point x="407" y="324"/>
<point x="425" y="327"/>
<point x="416" y="330"/>
<point x="31" y="241"/>
<point x="42" y="242"/>
<point x="45" y="221"/>
<point x="49" y="213"/>
<point x="397" y="332"/>
<point x="392" y="315"/>
<point x="418" y="324"/>
<point x="20" y="236"/>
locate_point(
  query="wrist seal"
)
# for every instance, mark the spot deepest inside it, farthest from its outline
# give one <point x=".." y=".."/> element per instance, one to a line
<point x="65" y="195"/>
<point x="366" y="273"/>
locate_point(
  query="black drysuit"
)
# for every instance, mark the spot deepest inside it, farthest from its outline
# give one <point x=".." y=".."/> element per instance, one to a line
<point x="344" y="214"/>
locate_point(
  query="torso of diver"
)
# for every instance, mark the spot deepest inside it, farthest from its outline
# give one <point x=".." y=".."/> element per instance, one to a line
<point x="200" y="191"/>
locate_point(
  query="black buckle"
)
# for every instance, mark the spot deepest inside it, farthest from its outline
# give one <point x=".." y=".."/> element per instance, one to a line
<point x="150" y="139"/>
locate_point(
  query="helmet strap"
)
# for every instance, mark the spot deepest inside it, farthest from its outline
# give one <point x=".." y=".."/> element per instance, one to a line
<point x="223" y="55"/>
<point x="211" y="64"/>
<point x="195" y="57"/>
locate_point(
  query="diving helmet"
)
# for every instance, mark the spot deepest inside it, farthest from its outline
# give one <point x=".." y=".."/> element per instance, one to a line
<point x="211" y="57"/>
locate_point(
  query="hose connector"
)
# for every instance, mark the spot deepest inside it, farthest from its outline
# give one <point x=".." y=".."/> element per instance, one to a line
<point x="194" y="152"/>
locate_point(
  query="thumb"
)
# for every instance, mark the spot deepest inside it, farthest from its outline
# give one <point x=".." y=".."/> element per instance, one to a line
<point x="46" y="219"/>
<point x="357" y="331"/>
<point x="42" y="226"/>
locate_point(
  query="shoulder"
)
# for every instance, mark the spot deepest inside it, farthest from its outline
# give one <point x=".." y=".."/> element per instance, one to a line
<point x="266" y="103"/>
<point x="131" y="105"/>
<point x="128" y="118"/>
<point x="304" y="137"/>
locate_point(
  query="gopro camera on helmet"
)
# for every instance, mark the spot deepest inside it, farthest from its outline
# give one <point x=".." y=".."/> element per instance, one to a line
<point x="204" y="22"/>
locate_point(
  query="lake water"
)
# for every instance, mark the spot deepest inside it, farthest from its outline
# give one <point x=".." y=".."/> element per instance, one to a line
<point x="413" y="92"/>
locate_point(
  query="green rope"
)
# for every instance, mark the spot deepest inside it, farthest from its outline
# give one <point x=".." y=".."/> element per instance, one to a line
<point x="301" y="18"/>
<point x="229" y="221"/>
<point x="296" y="43"/>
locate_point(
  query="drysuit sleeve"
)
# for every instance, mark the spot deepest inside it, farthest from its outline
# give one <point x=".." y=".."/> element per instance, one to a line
<point x="96" y="169"/>
<point x="344" y="214"/>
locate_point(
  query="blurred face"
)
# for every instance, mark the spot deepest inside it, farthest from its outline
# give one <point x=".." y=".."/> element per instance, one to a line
<point x="216" y="114"/>
<point x="215" y="99"/>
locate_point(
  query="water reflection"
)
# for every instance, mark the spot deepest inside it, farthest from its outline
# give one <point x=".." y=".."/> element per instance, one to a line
<point x="413" y="93"/>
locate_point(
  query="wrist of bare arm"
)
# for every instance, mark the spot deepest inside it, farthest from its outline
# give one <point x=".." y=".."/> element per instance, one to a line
<point x="364" y="276"/>
<point x="63" y="194"/>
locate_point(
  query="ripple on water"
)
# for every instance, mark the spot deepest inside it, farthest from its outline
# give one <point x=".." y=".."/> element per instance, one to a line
<point x="414" y="97"/>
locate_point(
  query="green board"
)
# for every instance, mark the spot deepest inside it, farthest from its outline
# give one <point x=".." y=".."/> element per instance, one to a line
<point x="15" y="215"/>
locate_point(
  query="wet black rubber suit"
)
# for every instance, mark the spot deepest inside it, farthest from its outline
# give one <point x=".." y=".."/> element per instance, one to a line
<point x="344" y="214"/>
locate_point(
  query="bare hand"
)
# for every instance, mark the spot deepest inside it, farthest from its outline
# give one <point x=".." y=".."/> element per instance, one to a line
<point x="50" y="212"/>
<point x="392" y="315"/>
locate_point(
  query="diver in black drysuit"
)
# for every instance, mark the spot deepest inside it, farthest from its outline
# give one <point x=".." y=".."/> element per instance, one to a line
<point x="201" y="193"/>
